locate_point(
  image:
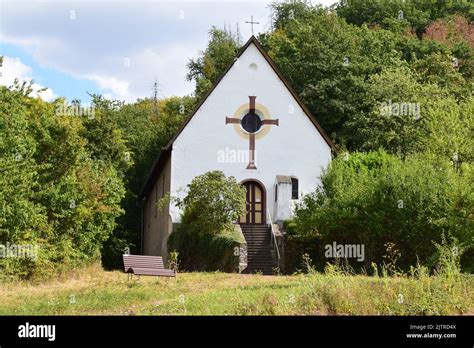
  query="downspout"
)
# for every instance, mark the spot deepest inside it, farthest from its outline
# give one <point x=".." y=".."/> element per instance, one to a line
<point x="142" y="224"/>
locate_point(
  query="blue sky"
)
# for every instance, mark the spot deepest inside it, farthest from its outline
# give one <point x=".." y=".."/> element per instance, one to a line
<point x="114" y="48"/>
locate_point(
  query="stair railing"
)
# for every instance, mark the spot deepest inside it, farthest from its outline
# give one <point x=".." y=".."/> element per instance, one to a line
<point x="273" y="240"/>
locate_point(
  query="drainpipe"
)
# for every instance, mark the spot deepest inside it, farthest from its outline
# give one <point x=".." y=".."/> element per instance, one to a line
<point x="141" y="224"/>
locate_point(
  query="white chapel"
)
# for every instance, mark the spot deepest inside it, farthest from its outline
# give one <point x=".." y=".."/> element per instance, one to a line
<point x="251" y="125"/>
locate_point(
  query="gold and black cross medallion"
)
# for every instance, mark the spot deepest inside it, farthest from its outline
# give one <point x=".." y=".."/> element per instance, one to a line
<point x="251" y="123"/>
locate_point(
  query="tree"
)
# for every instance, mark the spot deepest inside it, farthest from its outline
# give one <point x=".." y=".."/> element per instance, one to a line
<point x="328" y="61"/>
<point x="145" y="128"/>
<point x="206" y="238"/>
<point x="410" y="116"/>
<point x="375" y="198"/>
<point x="343" y="73"/>
<point x="211" y="63"/>
<point x="213" y="202"/>
<point x="414" y="15"/>
<point x="456" y="32"/>
<point x="53" y="194"/>
<point x="450" y="131"/>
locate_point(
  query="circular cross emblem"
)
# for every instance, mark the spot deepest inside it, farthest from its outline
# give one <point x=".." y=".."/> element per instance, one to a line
<point x="251" y="122"/>
<point x="255" y="116"/>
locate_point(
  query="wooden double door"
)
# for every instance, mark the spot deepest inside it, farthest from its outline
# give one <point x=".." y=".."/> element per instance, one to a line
<point x="255" y="203"/>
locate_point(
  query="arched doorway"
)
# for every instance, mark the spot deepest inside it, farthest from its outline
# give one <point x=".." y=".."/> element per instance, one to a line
<point x="255" y="203"/>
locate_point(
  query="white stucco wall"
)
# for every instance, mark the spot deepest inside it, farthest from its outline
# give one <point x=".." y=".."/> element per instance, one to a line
<point x="294" y="148"/>
<point x="282" y="207"/>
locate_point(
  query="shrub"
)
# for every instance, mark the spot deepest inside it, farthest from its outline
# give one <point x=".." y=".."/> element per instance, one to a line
<point x="54" y="196"/>
<point x="290" y="227"/>
<point x="206" y="238"/>
<point x="298" y="245"/>
<point x="374" y="199"/>
<point x="173" y="262"/>
<point x="201" y="251"/>
<point x="213" y="202"/>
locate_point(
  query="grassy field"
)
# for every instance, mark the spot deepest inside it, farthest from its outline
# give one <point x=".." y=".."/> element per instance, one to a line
<point x="93" y="291"/>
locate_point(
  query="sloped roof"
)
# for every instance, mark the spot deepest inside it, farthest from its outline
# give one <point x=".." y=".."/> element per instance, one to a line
<point x="166" y="151"/>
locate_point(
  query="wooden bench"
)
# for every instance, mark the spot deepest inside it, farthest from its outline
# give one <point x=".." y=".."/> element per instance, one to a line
<point x="146" y="265"/>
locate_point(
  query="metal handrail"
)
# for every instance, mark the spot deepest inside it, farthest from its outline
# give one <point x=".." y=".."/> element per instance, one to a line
<point x="273" y="239"/>
<point x="276" y="245"/>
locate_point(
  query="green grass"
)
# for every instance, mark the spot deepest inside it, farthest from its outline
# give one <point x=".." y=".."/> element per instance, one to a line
<point x="93" y="291"/>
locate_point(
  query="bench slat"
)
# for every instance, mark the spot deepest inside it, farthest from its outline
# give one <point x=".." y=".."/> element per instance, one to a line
<point x="146" y="265"/>
<point x="157" y="272"/>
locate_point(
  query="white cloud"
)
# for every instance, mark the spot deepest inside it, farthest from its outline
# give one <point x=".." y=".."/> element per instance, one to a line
<point x="157" y="38"/>
<point x="93" y="46"/>
<point x="118" y="89"/>
<point x="14" y="68"/>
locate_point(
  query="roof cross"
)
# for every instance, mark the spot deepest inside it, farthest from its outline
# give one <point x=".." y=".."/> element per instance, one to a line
<point x="251" y="22"/>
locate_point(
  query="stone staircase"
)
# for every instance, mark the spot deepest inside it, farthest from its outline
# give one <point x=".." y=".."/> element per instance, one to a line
<point x="260" y="256"/>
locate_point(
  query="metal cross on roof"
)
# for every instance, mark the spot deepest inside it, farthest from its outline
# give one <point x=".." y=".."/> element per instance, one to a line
<point x="251" y="22"/>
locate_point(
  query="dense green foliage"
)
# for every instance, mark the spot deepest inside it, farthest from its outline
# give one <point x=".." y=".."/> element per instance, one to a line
<point x="435" y="122"/>
<point x="69" y="182"/>
<point x="54" y="195"/>
<point x="201" y="251"/>
<point x="206" y="237"/>
<point x="390" y="75"/>
<point x="222" y="197"/>
<point x="146" y="127"/>
<point x="336" y="67"/>
<point x="375" y="198"/>
<point x="413" y="15"/>
<point x="208" y="67"/>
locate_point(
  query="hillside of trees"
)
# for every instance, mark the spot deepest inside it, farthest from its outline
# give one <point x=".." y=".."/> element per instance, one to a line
<point x="391" y="83"/>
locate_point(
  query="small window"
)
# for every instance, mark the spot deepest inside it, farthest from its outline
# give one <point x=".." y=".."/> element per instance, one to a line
<point x="294" y="188"/>
<point x="276" y="192"/>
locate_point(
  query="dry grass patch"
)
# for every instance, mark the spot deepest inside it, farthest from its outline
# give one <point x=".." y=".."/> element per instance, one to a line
<point x="93" y="291"/>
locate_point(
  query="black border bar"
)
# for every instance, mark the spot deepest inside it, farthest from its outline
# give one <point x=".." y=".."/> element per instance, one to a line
<point x="224" y="331"/>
